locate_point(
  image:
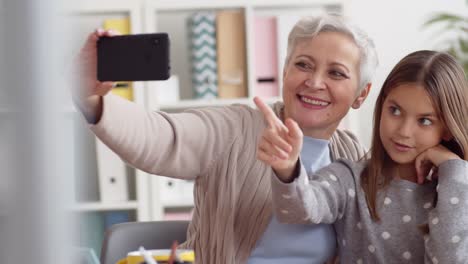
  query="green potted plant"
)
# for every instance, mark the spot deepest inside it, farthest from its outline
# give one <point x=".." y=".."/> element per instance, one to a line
<point x="454" y="34"/>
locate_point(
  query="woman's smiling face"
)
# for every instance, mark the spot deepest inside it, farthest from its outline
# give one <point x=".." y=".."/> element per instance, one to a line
<point x="320" y="82"/>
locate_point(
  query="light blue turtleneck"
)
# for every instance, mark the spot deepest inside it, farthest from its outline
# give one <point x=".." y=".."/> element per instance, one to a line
<point x="298" y="244"/>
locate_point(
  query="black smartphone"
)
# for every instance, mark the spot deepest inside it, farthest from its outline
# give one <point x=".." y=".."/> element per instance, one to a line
<point x="140" y="57"/>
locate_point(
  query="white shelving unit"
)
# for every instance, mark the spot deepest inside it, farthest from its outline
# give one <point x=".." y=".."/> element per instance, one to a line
<point x="171" y="17"/>
<point x="185" y="104"/>
<point x="103" y="206"/>
<point x="87" y="16"/>
<point x="157" y="194"/>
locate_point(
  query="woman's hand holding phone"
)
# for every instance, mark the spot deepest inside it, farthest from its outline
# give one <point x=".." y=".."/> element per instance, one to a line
<point x="88" y="91"/>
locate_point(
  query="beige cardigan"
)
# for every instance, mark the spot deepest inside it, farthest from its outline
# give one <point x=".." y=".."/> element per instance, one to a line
<point x="216" y="147"/>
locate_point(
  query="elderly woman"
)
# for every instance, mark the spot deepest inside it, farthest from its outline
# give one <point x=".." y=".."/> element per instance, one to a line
<point x="328" y="70"/>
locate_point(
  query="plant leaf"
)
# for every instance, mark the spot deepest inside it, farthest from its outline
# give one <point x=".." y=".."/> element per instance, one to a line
<point x="452" y="51"/>
<point x="463" y="45"/>
<point x="444" y="18"/>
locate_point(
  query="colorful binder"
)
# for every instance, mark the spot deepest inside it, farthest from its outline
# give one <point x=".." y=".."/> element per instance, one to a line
<point x="112" y="171"/>
<point x="115" y="217"/>
<point x="123" y="89"/>
<point x="231" y="51"/>
<point x="202" y="30"/>
<point x="266" y="57"/>
<point x="175" y="192"/>
<point x="181" y="215"/>
<point x="91" y="230"/>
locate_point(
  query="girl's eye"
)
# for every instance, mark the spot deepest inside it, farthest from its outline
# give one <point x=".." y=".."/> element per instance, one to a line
<point x="395" y="111"/>
<point x="425" y="121"/>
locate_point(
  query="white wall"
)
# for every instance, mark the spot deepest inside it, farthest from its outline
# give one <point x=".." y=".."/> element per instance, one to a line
<point x="396" y="27"/>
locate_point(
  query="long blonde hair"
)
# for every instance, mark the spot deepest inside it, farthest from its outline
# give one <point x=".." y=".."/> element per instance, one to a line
<point x="445" y="82"/>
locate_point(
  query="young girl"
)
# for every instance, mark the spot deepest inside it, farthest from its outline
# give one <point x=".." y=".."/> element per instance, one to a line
<point x="385" y="209"/>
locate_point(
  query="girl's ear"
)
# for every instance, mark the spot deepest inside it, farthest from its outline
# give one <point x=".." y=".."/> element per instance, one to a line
<point x="361" y="97"/>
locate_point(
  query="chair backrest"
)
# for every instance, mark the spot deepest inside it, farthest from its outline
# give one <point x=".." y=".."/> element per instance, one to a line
<point x="123" y="238"/>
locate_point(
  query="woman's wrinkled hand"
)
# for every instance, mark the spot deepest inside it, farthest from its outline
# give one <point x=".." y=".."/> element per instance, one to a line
<point x="86" y="89"/>
<point x="280" y="144"/>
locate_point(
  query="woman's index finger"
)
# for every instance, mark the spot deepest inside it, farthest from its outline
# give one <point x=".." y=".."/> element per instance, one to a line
<point x="268" y="113"/>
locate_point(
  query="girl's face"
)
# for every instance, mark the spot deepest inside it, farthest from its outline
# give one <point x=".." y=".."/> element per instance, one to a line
<point x="409" y="123"/>
<point x="320" y="83"/>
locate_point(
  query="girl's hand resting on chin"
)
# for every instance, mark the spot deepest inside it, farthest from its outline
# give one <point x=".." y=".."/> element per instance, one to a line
<point x="431" y="158"/>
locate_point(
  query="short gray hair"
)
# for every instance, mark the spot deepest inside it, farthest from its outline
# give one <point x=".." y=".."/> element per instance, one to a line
<point x="309" y="27"/>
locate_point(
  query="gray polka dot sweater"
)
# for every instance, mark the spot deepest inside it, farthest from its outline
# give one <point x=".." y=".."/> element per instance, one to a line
<point x="334" y="195"/>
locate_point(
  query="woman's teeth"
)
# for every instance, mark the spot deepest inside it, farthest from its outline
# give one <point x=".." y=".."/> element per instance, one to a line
<point x="314" y="102"/>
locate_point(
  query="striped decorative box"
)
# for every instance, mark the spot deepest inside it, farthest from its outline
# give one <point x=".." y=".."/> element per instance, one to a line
<point x="202" y="31"/>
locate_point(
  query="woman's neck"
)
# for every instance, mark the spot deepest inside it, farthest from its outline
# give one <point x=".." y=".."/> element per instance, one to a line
<point x="404" y="172"/>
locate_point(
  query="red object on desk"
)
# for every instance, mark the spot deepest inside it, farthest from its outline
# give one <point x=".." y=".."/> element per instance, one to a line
<point x="172" y="257"/>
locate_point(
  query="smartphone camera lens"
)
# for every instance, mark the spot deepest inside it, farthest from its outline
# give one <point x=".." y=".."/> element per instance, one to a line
<point x="156" y="41"/>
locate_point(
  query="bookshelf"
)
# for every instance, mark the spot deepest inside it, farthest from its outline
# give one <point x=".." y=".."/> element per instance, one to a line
<point x="85" y="17"/>
<point x="105" y="206"/>
<point x="172" y="16"/>
<point x="156" y="196"/>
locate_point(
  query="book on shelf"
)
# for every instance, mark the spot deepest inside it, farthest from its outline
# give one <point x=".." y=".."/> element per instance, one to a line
<point x="175" y="192"/>
<point x="180" y="215"/>
<point x="266" y="56"/>
<point x="202" y="36"/>
<point x="115" y="217"/>
<point x="122" y="25"/>
<point x="91" y="231"/>
<point x="163" y="92"/>
<point x="112" y="173"/>
<point x="231" y="52"/>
